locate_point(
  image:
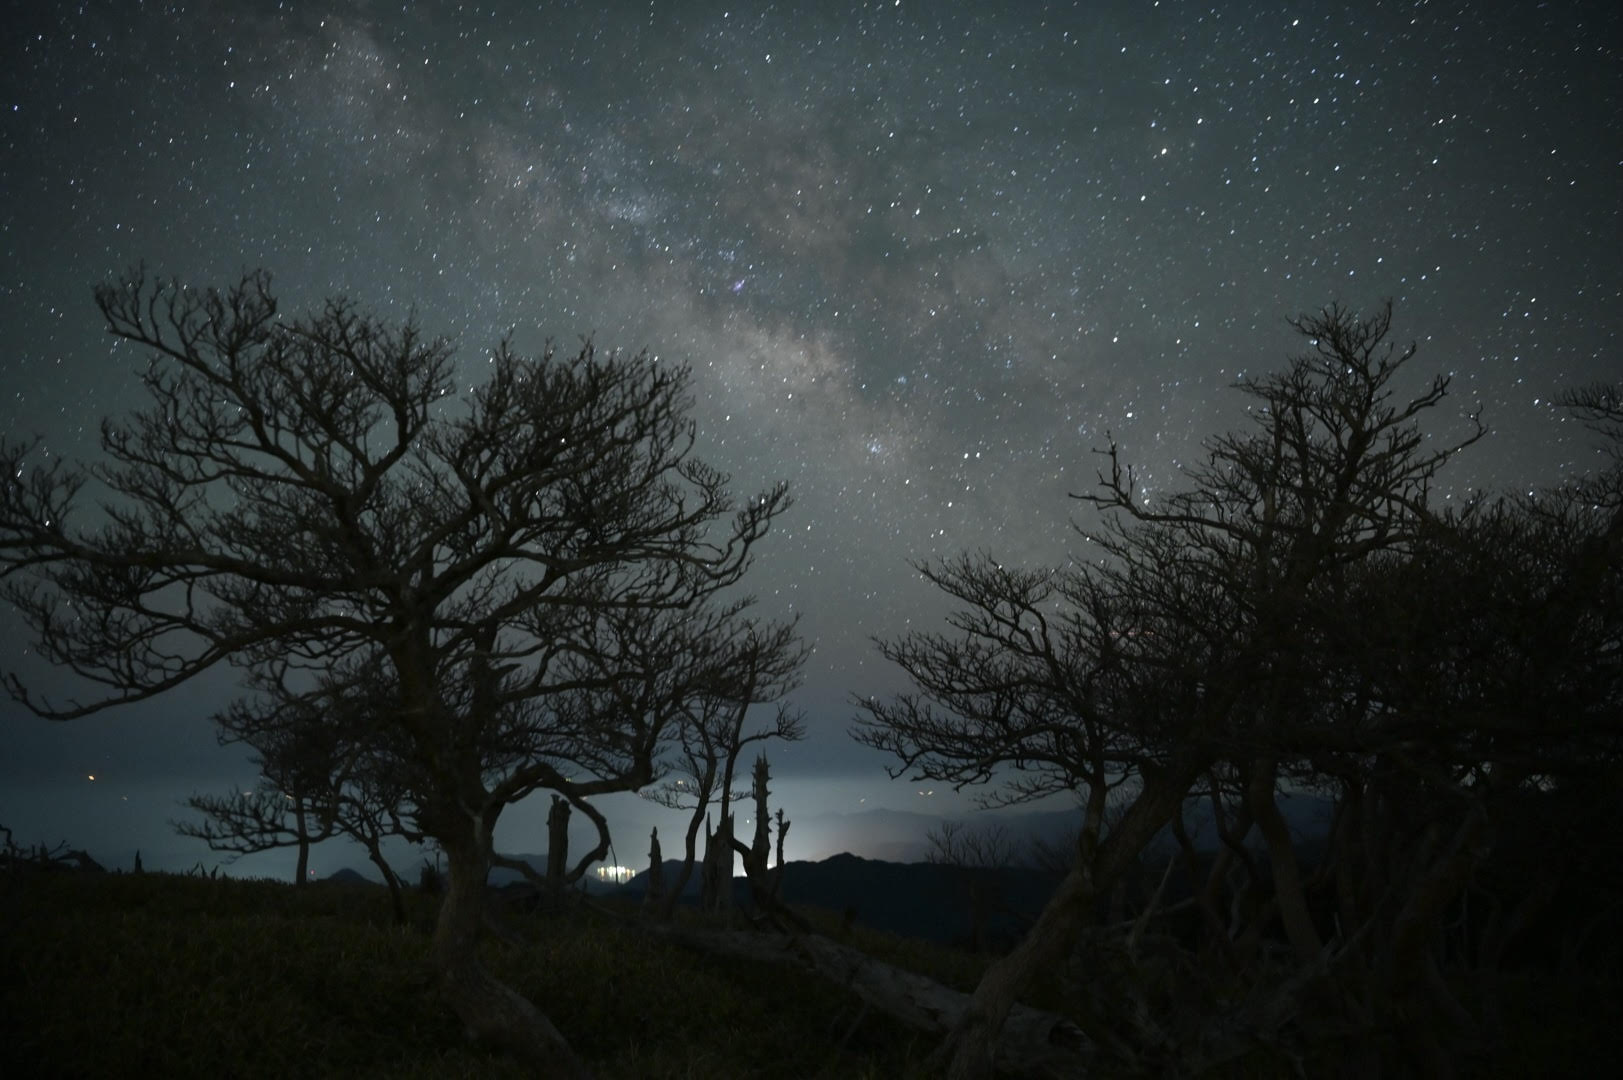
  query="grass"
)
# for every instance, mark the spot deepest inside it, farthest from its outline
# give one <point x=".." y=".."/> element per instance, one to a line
<point x="126" y="975"/>
<point x="162" y="975"/>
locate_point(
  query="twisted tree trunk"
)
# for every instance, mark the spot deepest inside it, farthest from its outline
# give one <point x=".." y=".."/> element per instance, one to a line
<point x="970" y="1051"/>
<point x="1288" y="890"/>
<point x="673" y="895"/>
<point x="301" y="872"/>
<point x="397" y="899"/>
<point x="491" y="1011"/>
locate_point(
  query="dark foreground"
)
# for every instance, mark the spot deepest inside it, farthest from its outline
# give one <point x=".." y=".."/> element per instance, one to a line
<point x="161" y="975"/>
<point x="155" y="974"/>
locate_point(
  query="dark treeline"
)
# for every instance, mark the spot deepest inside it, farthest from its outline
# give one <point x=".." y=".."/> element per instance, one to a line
<point x="1305" y="616"/>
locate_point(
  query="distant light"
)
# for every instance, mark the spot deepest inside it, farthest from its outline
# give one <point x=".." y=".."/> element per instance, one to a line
<point x="92" y="776"/>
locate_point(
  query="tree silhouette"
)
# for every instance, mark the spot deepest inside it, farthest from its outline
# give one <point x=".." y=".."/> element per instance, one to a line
<point x="521" y="577"/>
<point x="324" y="772"/>
<point x="1191" y="638"/>
<point x="762" y="667"/>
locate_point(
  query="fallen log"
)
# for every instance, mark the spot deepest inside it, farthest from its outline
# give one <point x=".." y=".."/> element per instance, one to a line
<point x="1033" y="1042"/>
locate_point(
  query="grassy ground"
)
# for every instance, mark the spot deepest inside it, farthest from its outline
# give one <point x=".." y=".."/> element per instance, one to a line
<point x="159" y="975"/>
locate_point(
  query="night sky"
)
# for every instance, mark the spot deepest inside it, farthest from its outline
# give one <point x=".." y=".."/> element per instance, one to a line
<point x="922" y="258"/>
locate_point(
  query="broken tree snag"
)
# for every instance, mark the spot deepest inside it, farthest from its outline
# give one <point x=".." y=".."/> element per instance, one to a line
<point x="755" y="858"/>
<point x="716" y="880"/>
<point x="764" y="882"/>
<point x="1031" y="1041"/>
<point x="759" y="852"/>
<point x="774" y="880"/>
<point x="656" y="871"/>
<point x="557" y="841"/>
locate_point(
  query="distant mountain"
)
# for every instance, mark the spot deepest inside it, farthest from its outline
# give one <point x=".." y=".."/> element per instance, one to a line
<point x="349" y="876"/>
<point x="874" y="862"/>
<point x="911" y="897"/>
<point x="895" y="835"/>
<point x="922" y="900"/>
<point x="904" y="837"/>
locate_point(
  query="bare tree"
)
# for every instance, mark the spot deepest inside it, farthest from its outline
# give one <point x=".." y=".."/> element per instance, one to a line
<point x="760" y="668"/>
<point x="262" y="819"/>
<point x="321" y="776"/>
<point x="513" y="565"/>
<point x="1599" y="407"/>
<point x="14" y="857"/>
<point x="1183" y="639"/>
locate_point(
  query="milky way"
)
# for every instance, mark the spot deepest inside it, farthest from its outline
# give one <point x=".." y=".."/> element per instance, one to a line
<point x="922" y="258"/>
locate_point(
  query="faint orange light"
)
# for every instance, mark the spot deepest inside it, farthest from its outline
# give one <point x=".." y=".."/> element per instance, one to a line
<point x="92" y="776"/>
